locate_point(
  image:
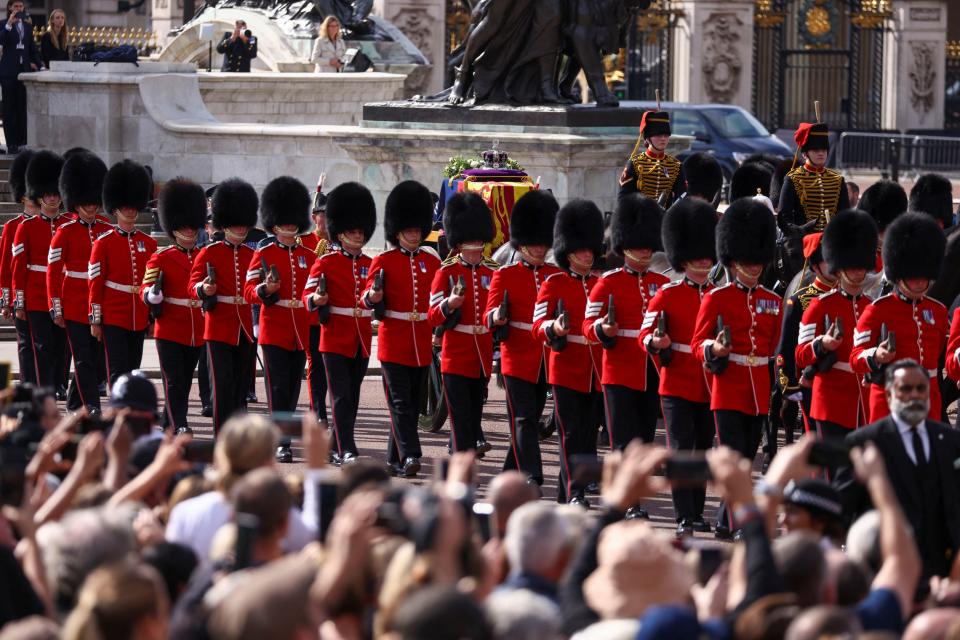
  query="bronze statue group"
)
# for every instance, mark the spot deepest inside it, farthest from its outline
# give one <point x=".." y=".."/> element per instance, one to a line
<point x="669" y="309"/>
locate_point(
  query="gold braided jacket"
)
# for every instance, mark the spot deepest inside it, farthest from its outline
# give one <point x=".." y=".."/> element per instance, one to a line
<point x="818" y="193"/>
<point x="655" y="176"/>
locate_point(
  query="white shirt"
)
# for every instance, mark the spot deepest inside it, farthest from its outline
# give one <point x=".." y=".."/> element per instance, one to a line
<point x="906" y="434"/>
<point x="195" y="522"/>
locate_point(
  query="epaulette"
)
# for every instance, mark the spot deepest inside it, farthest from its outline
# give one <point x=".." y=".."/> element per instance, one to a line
<point x="166" y="248"/>
<point x="934" y="300"/>
<point x="671" y="284"/>
<point x="105" y="234"/>
<point x="770" y="291"/>
<point x="554" y="275"/>
<point x="451" y="259"/>
<point x="884" y="297"/>
<point x="611" y="272"/>
<point x="490" y="263"/>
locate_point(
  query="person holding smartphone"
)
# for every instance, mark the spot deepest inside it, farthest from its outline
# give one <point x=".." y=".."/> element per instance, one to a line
<point x="20" y="55"/>
<point x="574" y="360"/>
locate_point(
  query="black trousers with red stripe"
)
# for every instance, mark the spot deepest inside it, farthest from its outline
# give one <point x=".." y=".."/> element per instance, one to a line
<point x="631" y="414"/>
<point x="344" y="377"/>
<point x="28" y="362"/>
<point x="230" y="370"/>
<point x="577" y="419"/>
<point x="317" y="376"/>
<point x="87" y="358"/>
<point x="283" y="370"/>
<point x="123" y="349"/>
<point x="178" y="362"/>
<point x="49" y="348"/>
<point x="690" y="429"/>
<point x="402" y="386"/>
<point x="741" y="432"/>
<point x="464" y="398"/>
<point x="525" y="402"/>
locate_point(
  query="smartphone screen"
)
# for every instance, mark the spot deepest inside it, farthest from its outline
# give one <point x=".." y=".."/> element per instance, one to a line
<point x="199" y="451"/>
<point x="247" y="526"/>
<point x="482" y="513"/>
<point x="326" y="506"/>
<point x="686" y="470"/>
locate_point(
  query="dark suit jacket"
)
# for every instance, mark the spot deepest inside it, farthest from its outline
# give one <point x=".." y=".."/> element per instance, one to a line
<point x="15" y="61"/>
<point x="944" y="449"/>
<point x="237" y="54"/>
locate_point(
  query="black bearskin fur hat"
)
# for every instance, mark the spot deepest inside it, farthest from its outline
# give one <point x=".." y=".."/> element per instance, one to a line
<point x="18" y="175"/>
<point x="933" y="195"/>
<point x="884" y="201"/>
<point x="532" y="219"/>
<point x="850" y="241"/>
<point x="689" y="232"/>
<point x="703" y="175"/>
<point x="776" y="182"/>
<point x="181" y="203"/>
<point x="284" y="201"/>
<point x="409" y="205"/>
<point x="466" y="218"/>
<point x="635" y="224"/>
<point x="913" y="247"/>
<point x="81" y="180"/>
<point x="127" y="184"/>
<point x="234" y="204"/>
<point x="43" y="174"/>
<point x="746" y="233"/>
<point x="350" y="206"/>
<point x="579" y="226"/>
<point x="749" y="179"/>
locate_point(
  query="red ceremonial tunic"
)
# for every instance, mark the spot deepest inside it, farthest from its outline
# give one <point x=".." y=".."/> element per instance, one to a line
<point x="348" y="328"/>
<point x="284" y="320"/>
<point x="68" y="270"/>
<point x="118" y="262"/>
<point x="467" y="347"/>
<point x="231" y="317"/>
<point x="6" y="257"/>
<point x="180" y="319"/>
<point x="31" y="248"/>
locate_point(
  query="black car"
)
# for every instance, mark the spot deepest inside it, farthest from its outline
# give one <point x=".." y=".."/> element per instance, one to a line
<point x="729" y="132"/>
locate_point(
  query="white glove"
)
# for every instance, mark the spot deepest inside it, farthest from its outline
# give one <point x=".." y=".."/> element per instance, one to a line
<point x="154" y="298"/>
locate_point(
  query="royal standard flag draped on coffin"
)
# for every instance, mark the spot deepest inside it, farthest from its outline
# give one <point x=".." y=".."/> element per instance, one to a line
<point x="500" y="196"/>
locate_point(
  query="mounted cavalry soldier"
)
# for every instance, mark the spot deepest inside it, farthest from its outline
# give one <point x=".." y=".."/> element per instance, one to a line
<point x="652" y="171"/>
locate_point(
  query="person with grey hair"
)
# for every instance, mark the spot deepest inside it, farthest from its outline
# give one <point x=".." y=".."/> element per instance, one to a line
<point x="920" y="454"/>
<point x="538" y="547"/>
<point x="522" y="615"/>
<point x="79" y="543"/>
<point x="863" y="540"/>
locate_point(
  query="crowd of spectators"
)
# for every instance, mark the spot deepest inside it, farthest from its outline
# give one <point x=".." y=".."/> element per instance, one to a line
<point x="115" y="533"/>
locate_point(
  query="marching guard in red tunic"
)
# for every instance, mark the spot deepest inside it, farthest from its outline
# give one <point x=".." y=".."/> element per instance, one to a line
<point x="18" y="192"/>
<point x="217" y="279"/>
<point x="574" y="364"/>
<point x="737" y="331"/>
<point x="178" y="322"/>
<point x="913" y="249"/>
<point x="334" y="290"/>
<point x="510" y="304"/>
<point x="398" y="293"/>
<point x="688" y="233"/>
<point x="81" y="183"/>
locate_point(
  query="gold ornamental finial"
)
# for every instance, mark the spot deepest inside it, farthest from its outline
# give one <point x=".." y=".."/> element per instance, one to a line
<point x="657" y="93"/>
<point x="816" y="110"/>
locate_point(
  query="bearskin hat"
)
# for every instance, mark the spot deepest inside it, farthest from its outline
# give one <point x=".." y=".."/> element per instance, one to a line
<point x="81" y="180"/>
<point x="579" y="226"/>
<point x="933" y="195"/>
<point x="884" y="201"/>
<point x="689" y="232"/>
<point x="18" y="175"/>
<point x="850" y="241"/>
<point x="635" y="224"/>
<point x="72" y="151"/>
<point x="750" y="179"/>
<point x="703" y="175"/>
<point x="913" y="247"/>
<point x="127" y="184"/>
<point x="284" y="201"/>
<point x="350" y="206"/>
<point x="43" y="174"/>
<point x="409" y="205"/>
<point x="747" y="233"/>
<point x="532" y="219"/>
<point x="181" y="204"/>
<point x="776" y="181"/>
<point x="234" y="204"/>
<point x="466" y="218"/>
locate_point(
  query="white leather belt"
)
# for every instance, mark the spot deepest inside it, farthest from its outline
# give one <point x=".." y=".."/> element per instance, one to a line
<point x="353" y="312"/>
<point x="842" y="366"/>
<point x="290" y="304"/>
<point x="40" y="268"/>
<point x="628" y="333"/>
<point x="237" y="300"/>
<point x="183" y="302"/>
<point x="79" y="275"/>
<point x="475" y="329"/>
<point x="581" y="340"/>
<point x="933" y="373"/>
<point x="523" y="326"/>
<point x="125" y="288"/>
<point x="410" y="316"/>
<point x="749" y="361"/>
<point x="682" y="348"/>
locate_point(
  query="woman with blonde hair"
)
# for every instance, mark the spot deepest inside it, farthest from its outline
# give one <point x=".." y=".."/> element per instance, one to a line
<point x="121" y="601"/>
<point x="329" y="47"/>
<point x="56" y="39"/>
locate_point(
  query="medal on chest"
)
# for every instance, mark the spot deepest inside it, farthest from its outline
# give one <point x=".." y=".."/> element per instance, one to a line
<point x="301" y="262"/>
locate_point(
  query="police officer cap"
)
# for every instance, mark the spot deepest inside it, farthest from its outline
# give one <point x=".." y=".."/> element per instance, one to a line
<point x="134" y="391"/>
